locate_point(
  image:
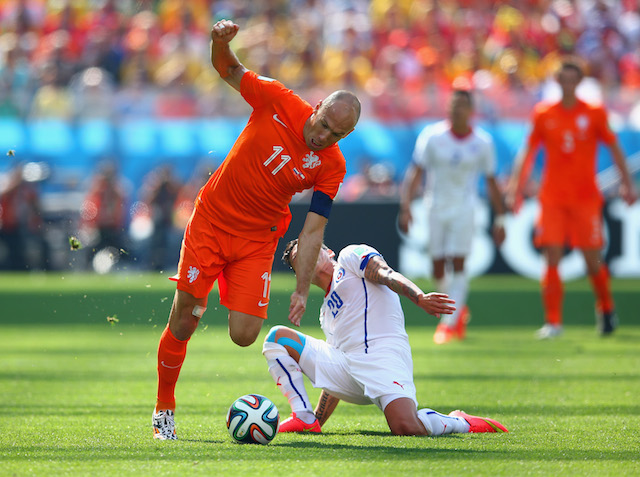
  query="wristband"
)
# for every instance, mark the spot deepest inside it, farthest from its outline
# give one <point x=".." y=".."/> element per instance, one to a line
<point x="498" y="220"/>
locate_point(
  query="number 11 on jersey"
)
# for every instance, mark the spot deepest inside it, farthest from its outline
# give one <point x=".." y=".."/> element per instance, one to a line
<point x="277" y="151"/>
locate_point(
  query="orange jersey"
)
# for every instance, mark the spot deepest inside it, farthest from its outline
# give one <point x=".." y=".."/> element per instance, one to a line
<point x="570" y="139"/>
<point x="249" y="194"/>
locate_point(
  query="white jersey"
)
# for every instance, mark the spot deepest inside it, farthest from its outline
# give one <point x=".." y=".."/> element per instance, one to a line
<point x="453" y="164"/>
<point x="359" y="316"/>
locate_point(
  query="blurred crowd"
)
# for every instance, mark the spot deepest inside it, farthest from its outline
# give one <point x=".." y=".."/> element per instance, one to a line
<point x="119" y="58"/>
<point x="111" y="223"/>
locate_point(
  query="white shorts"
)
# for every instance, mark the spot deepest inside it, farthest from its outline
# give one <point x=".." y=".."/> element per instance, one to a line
<point x="450" y="234"/>
<point x="374" y="378"/>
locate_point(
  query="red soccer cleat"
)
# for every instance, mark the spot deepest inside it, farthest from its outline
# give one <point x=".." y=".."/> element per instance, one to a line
<point x="461" y="326"/>
<point x="480" y="424"/>
<point x="443" y="334"/>
<point x="293" y="424"/>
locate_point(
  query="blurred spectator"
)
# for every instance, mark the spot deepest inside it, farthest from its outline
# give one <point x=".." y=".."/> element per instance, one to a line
<point x="16" y="77"/>
<point x="185" y="200"/>
<point x="104" y="213"/>
<point x="21" y="222"/>
<point x="52" y="99"/>
<point x="374" y="181"/>
<point x="159" y="193"/>
<point x="92" y="91"/>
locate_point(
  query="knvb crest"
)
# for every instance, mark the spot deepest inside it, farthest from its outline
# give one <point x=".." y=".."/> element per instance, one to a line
<point x="310" y="161"/>
<point x="192" y="274"/>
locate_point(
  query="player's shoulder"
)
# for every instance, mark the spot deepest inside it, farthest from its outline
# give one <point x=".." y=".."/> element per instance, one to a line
<point x="544" y="107"/>
<point x="331" y="159"/>
<point x="356" y="254"/>
<point x="482" y="135"/>
<point x="254" y="83"/>
<point x="440" y="128"/>
<point x="593" y="108"/>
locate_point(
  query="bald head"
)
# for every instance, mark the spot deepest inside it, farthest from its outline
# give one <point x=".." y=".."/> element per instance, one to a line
<point x="344" y="102"/>
<point x="332" y="119"/>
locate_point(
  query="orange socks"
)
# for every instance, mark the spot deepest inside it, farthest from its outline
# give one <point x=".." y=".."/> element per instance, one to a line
<point x="171" y="354"/>
<point x="552" y="296"/>
<point x="602" y="290"/>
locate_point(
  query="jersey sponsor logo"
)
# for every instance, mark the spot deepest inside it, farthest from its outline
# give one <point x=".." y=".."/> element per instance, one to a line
<point x="192" y="274"/>
<point x="310" y="161"/>
<point x="278" y="120"/>
<point x="261" y="303"/>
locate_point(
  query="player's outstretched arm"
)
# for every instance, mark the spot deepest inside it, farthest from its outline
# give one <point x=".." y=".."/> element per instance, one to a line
<point x="520" y="175"/>
<point x="499" y="210"/>
<point x="309" y="243"/>
<point x="379" y="271"/>
<point x="627" y="189"/>
<point x="408" y="192"/>
<point x="223" y="59"/>
<point x="325" y="407"/>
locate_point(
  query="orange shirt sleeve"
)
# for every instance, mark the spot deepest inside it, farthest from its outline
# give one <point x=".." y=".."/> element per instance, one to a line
<point x="601" y="122"/>
<point x="260" y="90"/>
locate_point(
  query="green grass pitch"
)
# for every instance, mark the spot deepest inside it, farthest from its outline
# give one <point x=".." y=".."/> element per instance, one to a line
<point x="77" y="391"/>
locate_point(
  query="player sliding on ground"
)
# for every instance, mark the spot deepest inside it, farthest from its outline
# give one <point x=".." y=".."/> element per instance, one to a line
<point x="366" y="358"/>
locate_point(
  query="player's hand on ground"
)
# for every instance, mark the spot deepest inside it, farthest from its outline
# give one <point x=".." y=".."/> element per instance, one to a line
<point x="436" y="303"/>
<point x="297" y="307"/>
<point x="224" y="31"/>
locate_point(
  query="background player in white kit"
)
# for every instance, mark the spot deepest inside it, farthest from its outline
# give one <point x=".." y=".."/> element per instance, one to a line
<point x="366" y="358"/>
<point x="453" y="155"/>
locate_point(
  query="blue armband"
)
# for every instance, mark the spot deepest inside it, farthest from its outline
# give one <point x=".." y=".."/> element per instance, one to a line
<point x="321" y="203"/>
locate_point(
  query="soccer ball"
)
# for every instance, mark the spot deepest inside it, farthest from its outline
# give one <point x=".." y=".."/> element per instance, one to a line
<point x="253" y="419"/>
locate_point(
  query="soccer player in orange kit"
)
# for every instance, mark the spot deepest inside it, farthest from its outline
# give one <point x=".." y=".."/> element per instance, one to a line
<point x="570" y="201"/>
<point x="286" y="147"/>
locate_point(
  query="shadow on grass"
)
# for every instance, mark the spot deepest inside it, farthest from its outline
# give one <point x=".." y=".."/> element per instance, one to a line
<point x="177" y="452"/>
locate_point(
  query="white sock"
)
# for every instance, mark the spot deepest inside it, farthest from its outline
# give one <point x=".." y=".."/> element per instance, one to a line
<point x="290" y="380"/>
<point x="458" y="289"/>
<point x="438" y="424"/>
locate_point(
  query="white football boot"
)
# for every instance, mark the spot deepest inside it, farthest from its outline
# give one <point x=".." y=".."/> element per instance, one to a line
<point x="164" y="426"/>
<point x="549" y="331"/>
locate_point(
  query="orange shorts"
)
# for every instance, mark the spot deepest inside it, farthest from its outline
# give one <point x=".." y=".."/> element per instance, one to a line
<point x="241" y="266"/>
<point x="576" y="226"/>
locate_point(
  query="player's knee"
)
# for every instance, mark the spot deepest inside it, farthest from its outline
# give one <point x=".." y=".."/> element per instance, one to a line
<point x="272" y="334"/>
<point x="281" y="340"/>
<point x="242" y="337"/>
<point x="407" y="428"/>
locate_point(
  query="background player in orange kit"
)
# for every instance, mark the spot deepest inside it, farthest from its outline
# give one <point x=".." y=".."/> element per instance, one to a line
<point x="571" y="203"/>
<point x="286" y="147"/>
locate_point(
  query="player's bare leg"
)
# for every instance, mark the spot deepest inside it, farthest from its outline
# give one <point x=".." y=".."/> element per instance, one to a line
<point x="244" y="328"/>
<point x="606" y="318"/>
<point x="404" y="420"/>
<point x="184" y="316"/>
